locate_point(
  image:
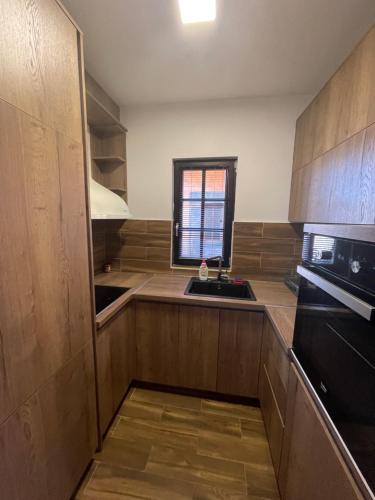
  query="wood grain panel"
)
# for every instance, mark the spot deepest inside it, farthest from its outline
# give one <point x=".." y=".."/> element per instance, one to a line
<point x="69" y="421"/>
<point x="145" y="266"/>
<point x="115" y="354"/>
<point x="159" y="226"/>
<point x="277" y="364"/>
<point x="245" y="262"/>
<point x="158" y="254"/>
<point x="304" y="139"/>
<point x="38" y="48"/>
<point x="52" y="436"/>
<point x="327" y="479"/>
<point x="47" y="397"/>
<point x="272" y="419"/>
<point x="239" y="352"/>
<point x="345" y="196"/>
<point x="147" y="239"/>
<point x="248" y="229"/>
<point x="22" y="443"/>
<point x="44" y="291"/>
<point x="329" y="184"/>
<point x="157" y="342"/>
<point x="282" y="230"/>
<point x="258" y="245"/>
<point x="123" y="353"/>
<point x="104" y="379"/>
<point x="198" y="343"/>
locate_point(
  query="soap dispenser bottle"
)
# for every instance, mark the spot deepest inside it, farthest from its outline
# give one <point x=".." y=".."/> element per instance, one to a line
<point x="203" y="271"/>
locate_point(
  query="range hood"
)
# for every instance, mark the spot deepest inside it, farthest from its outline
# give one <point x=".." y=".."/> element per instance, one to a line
<point x="105" y="204"/>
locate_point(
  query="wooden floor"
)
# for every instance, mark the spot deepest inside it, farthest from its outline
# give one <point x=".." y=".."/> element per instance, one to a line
<point x="173" y="447"/>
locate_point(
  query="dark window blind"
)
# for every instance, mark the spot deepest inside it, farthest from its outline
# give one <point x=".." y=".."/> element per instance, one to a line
<point x="204" y="192"/>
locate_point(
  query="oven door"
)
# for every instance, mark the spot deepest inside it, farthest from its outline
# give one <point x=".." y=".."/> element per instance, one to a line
<point x="335" y="344"/>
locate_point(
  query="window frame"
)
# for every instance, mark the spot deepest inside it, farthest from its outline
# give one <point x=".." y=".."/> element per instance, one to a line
<point x="181" y="164"/>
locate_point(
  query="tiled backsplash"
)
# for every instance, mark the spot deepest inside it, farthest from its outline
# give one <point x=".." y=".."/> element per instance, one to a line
<point x="265" y="251"/>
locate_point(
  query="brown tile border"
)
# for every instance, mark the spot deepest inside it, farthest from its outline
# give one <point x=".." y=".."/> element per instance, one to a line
<point x="260" y="250"/>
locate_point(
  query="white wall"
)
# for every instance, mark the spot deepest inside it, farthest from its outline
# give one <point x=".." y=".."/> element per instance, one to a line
<point x="259" y="131"/>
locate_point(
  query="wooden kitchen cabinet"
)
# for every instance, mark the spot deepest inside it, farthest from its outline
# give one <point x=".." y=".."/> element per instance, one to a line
<point x="311" y="466"/>
<point x="333" y="172"/>
<point x="198" y="340"/>
<point x="115" y="353"/>
<point x="48" y="430"/>
<point x="239" y="352"/>
<point x="273" y="385"/>
<point x="203" y="348"/>
<point x="157" y="342"/>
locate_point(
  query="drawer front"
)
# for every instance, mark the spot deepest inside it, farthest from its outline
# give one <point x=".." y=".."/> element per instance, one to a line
<point x="277" y="364"/>
<point x="272" y="419"/>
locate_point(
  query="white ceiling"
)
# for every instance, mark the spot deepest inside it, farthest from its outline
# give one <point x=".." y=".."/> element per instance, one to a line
<point x="140" y="52"/>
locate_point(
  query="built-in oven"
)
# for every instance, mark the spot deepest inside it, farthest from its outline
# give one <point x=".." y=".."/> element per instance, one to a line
<point x="334" y="341"/>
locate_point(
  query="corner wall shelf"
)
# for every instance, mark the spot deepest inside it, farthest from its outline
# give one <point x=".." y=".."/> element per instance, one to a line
<point x="117" y="190"/>
<point x="100" y="118"/>
<point x="109" y="159"/>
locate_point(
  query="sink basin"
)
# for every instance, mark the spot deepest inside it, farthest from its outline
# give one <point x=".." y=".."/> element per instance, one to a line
<point x="105" y="295"/>
<point x="214" y="288"/>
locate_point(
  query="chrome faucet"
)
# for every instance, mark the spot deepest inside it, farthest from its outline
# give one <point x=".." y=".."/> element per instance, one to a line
<point x="220" y="259"/>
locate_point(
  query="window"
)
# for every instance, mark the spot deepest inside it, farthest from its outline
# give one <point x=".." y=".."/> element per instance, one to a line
<point x="204" y="192"/>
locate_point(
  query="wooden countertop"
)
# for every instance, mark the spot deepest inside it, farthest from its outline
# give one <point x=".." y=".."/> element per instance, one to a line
<point x="273" y="297"/>
<point x="282" y="319"/>
<point x="171" y="288"/>
<point x="124" y="279"/>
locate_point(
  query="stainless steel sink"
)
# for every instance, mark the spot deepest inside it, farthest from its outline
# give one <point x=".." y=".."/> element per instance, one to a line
<point x="215" y="288"/>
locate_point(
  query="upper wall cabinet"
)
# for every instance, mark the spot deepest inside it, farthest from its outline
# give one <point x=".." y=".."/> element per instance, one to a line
<point x="334" y="165"/>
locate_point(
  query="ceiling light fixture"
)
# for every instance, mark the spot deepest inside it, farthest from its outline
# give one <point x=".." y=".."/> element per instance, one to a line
<point x="197" y="11"/>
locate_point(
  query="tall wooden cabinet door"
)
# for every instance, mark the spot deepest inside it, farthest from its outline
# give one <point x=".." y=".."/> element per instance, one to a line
<point x="115" y="353"/>
<point x="121" y="331"/>
<point x="46" y="315"/>
<point x="311" y="465"/>
<point x="198" y="347"/>
<point x="239" y="352"/>
<point x="157" y="342"/>
<point x="104" y="378"/>
<point x="40" y="64"/>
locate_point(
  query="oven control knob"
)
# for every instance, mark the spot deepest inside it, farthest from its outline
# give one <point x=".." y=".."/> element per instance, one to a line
<point x="355" y="266"/>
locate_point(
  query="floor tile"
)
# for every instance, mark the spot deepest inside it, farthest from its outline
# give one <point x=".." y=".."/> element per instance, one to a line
<point x="114" y="483"/>
<point x="173" y="447"/>
<point x="203" y="492"/>
<point x="165" y="398"/>
<point x="261" y="481"/>
<point x="189" y="466"/>
<point x="144" y="434"/>
<point x="231" y="410"/>
<point x="141" y="410"/>
<point x="253" y="429"/>
<point x="126" y="453"/>
<point x="247" y="451"/>
<point x="194" y="422"/>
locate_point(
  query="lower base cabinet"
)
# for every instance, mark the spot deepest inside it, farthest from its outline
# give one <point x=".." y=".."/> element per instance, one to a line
<point x="240" y="343"/>
<point x="198" y="340"/>
<point x="273" y="421"/>
<point x="115" y="357"/>
<point x="156" y="332"/>
<point x="312" y="467"/>
<point x="273" y="386"/>
<point x="202" y="348"/>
